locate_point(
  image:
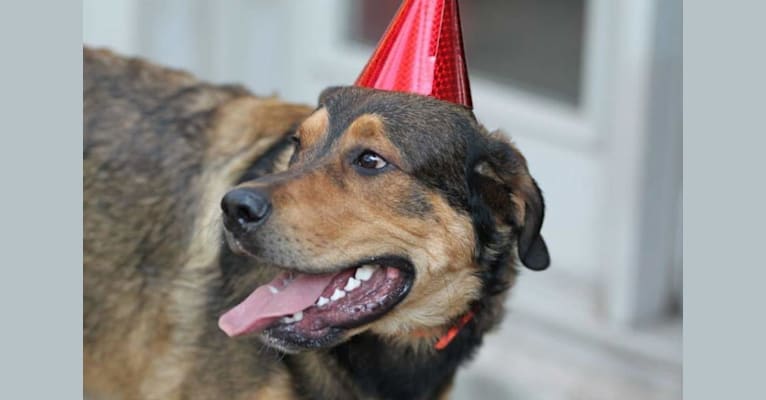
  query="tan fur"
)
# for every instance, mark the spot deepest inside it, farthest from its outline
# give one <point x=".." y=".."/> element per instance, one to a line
<point x="277" y="387"/>
<point x="369" y="131"/>
<point x="313" y="128"/>
<point x="446" y="283"/>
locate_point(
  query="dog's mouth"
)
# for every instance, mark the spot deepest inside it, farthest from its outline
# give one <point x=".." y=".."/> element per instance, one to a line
<point x="309" y="309"/>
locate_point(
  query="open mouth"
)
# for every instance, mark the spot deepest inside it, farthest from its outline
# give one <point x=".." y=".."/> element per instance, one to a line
<point x="307" y="308"/>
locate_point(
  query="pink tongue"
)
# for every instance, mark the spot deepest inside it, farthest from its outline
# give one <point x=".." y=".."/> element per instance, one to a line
<point x="263" y="306"/>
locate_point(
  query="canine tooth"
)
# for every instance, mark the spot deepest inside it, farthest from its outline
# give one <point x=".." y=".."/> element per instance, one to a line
<point x="273" y="290"/>
<point x="297" y="316"/>
<point x="286" y="320"/>
<point x="365" y="272"/>
<point x="352" y="284"/>
<point x="338" y="294"/>
<point x="322" y="301"/>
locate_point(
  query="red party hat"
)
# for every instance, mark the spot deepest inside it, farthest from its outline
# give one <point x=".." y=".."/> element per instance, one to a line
<point x="421" y="52"/>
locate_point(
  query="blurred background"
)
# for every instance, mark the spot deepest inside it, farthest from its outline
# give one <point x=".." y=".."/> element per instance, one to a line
<point x="590" y="90"/>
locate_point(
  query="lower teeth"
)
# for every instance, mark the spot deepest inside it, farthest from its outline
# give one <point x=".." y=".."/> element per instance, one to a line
<point x="294" y="318"/>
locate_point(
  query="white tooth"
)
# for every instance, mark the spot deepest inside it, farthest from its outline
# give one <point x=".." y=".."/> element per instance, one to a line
<point x="297" y="316"/>
<point x="322" y="301"/>
<point x="273" y="290"/>
<point x="338" y="294"/>
<point x="286" y="320"/>
<point x="365" y="272"/>
<point x="352" y="284"/>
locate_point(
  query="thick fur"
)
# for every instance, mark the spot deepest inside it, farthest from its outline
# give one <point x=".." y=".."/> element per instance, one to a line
<point x="160" y="151"/>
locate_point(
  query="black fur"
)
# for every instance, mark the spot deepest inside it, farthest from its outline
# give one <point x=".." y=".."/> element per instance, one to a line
<point x="388" y="373"/>
<point x="264" y="165"/>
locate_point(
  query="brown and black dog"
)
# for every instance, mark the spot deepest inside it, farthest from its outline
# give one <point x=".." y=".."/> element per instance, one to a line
<point x="378" y="222"/>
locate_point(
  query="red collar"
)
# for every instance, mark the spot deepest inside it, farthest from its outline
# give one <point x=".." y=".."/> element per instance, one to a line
<point x="446" y="338"/>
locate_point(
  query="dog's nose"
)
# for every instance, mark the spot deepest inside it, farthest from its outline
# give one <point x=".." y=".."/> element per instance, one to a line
<point x="246" y="207"/>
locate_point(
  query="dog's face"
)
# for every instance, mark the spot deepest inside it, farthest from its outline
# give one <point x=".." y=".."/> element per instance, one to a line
<point x="396" y="213"/>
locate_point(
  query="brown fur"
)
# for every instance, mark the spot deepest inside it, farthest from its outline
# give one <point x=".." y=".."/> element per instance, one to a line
<point x="160" y="151"/>
<point x="150" y="242"/>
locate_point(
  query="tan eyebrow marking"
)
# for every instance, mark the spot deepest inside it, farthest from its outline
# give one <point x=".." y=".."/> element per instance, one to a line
<point x="314" y="128"/>
<point x="369" y="129"/>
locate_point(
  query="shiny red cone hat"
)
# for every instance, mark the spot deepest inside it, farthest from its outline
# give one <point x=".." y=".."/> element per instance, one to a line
<point x="421" y="52"/>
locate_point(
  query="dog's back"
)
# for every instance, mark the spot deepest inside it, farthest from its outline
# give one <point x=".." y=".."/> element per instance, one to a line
<point x="159" y="149"/>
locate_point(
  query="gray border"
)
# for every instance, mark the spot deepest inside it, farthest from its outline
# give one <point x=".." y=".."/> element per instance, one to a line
<point x="723" y="201"/>
<point x="724" y="140"/>
<point x="41" y="171"/>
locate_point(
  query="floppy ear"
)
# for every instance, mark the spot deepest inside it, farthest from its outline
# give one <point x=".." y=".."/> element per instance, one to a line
<point x="503" y="181"/>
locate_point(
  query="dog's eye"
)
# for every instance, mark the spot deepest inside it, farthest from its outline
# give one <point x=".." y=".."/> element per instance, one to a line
<point x="295" y="139"/>
<point x="371" y="160"/>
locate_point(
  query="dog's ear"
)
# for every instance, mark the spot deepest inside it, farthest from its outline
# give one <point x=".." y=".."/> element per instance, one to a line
<point x="500" y="177"/>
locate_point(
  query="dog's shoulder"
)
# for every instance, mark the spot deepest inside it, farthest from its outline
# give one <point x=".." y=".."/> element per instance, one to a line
<point x="104" y="64"/>
<point x="160" y="148"/>
<point x="129" y="90"/>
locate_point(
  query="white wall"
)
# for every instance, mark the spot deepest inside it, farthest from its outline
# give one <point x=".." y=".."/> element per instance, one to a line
<point x="112" y="24"/>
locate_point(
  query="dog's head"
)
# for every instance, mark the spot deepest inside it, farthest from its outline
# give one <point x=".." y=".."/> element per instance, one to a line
<point x="397" y="213"/>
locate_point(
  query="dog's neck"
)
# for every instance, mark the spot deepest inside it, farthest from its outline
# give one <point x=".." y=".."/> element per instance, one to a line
<point x="397" y="372"/>
<point x="367" y="366"/>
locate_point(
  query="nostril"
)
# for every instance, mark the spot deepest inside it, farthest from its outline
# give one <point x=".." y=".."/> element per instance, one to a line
<point x="245" y="206"/>
<point x="245" y="214"/>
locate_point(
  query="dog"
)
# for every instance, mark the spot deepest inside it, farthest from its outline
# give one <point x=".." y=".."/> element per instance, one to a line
<point x="241" y="247"/>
